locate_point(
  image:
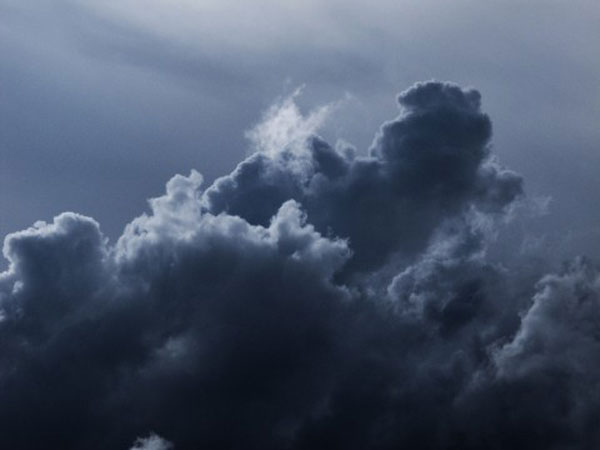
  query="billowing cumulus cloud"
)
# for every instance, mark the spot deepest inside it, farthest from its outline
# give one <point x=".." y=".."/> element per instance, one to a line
<point x="152" y="442"/>
<point x="314" y="298"/>
<point x="429" y="165"/>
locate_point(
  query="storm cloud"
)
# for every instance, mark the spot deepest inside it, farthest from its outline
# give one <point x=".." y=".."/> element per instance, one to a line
<point x="315" y="297"/>
<point x="427" y="166"/>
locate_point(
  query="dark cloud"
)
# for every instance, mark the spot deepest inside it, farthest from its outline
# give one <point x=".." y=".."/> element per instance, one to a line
<point x="311" y="299"/>
<point x="430" y="164"/>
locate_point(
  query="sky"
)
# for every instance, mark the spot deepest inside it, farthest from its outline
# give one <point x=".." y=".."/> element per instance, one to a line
<point x="102" y="101"/>
<point x="303" y="224"/>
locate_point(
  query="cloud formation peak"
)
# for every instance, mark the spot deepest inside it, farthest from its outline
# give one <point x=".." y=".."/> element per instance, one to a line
<point x="313" y="298"/>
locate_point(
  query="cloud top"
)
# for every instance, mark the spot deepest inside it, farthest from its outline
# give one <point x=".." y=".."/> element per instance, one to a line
<point x="313" y="298"/>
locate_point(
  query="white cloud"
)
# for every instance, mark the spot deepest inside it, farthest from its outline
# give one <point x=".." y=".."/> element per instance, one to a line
<point x="152" y="442"/>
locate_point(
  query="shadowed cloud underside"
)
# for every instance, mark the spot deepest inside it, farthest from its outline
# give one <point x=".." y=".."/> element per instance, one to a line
<point x="312" y="298"/>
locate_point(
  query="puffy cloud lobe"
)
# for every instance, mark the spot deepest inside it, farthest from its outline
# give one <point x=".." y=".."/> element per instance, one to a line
<point x="235" y="317"/>
<point x="541" y="390"/>
<point x="430" y="164"/>
<point x="214" y="309"/>
<point x="56" y="270"/>
<point x="152" y="442"/>
<point x="560" y="329"/>
<point x="555" y="352"/>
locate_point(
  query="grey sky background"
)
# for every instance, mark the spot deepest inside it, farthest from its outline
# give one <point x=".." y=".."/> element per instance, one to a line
<point x="101" y="102"/>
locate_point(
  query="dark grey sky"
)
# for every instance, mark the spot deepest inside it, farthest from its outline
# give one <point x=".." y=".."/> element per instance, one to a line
<point x="102" y="101"/>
